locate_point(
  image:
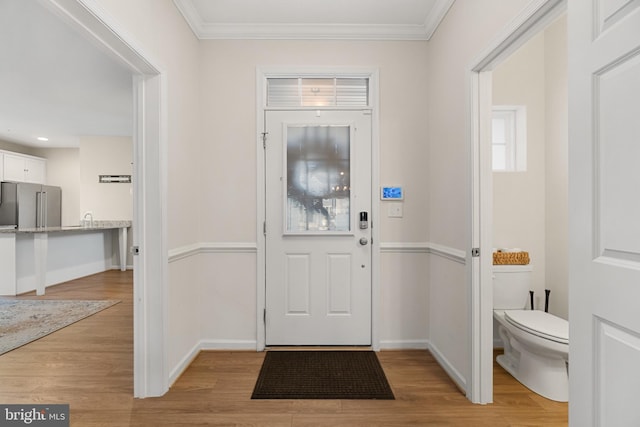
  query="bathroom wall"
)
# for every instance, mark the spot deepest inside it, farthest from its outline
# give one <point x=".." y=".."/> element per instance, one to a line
<point x="557" y="159"/>
<point x="519" y="197"/>
<point x="530" y="207"/>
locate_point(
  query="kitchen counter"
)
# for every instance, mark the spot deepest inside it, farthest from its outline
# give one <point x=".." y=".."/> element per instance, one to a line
<point x="97" y="225"/>
<point x="34" y="258"/>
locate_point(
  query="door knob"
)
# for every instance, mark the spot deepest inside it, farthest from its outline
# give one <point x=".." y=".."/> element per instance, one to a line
<point x="363" y="241"/>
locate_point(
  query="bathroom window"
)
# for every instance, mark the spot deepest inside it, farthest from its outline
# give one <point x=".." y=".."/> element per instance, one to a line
<point x="509" y="138"/>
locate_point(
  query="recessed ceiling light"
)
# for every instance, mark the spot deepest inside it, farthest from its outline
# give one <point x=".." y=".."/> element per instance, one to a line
<point x="42" y="138"/>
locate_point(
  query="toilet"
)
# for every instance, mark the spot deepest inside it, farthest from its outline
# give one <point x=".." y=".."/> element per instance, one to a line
<point x="536" y="343"/>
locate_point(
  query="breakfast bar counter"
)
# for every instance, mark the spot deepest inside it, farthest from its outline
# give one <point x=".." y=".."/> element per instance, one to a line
<point x="34" y="258"/>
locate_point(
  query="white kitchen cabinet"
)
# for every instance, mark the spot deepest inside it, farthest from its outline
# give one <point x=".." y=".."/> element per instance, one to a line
<point x="24" y="168"/>
<point x="1" y="167"/>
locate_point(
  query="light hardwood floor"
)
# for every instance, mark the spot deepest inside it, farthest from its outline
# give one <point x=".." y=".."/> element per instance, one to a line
<point x="90" y="363"/>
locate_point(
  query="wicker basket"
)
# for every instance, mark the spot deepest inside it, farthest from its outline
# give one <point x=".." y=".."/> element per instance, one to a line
<point x="510" y="258"/>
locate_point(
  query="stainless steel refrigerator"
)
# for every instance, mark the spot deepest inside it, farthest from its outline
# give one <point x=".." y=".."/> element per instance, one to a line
<point x="30" y="205"/>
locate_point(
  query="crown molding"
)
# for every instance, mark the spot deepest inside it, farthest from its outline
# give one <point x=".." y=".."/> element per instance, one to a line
<point x="224" y="31"/>
<point x="190" y="14"/>
<point x="311" y="32"/>
<point x="435" y="17"/>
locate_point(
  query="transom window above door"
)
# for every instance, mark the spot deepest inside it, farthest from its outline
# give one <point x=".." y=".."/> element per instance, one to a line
<point x="318" y="92"/>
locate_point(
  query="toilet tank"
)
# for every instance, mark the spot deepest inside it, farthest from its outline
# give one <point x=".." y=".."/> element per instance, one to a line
<point x="511" y="285"/>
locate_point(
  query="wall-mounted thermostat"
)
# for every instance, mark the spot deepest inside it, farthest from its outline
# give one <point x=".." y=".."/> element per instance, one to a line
<point x="391" y="193"/>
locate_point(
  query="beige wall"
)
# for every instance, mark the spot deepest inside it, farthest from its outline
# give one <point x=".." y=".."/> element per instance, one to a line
<point x="467" y="31"/>
<point x="76" y="171"/>
<point x="105" y="156"/>
<point x="230" y="134"/>
<point x="228" y="209"/>
<point x="163" y="36"/>
<point x="557" y="160"/>
<point x="63" y="170"/>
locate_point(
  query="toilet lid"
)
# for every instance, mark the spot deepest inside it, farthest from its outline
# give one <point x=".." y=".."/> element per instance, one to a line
<point x="544" y="325"/>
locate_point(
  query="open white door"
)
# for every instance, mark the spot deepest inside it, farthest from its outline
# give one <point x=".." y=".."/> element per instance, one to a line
<point x="604" y="212"/>
<point x="318" y="263"/>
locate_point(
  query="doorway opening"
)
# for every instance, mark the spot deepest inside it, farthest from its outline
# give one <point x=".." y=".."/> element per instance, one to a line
<point x="149" y="189"/>
<point x="538" y="16"/>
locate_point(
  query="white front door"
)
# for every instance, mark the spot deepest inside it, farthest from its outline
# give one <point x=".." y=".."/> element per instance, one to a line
<point x="318" y="256"/>
<point x="604" y="209"/>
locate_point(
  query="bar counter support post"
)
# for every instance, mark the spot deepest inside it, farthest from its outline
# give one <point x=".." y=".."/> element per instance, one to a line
<point x="122" y="241"/>
<point x="40" y="246"/>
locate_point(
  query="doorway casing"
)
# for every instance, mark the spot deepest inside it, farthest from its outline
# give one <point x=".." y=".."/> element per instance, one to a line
<point x="536" y="16"/>
<point x="262" y="74"/>
<point x="149" y="189"/>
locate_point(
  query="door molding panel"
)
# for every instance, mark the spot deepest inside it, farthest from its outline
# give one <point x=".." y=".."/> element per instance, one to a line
<point x="262" y="74"/>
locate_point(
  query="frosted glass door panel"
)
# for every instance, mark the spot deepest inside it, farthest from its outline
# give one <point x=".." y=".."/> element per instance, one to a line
<point x="318" y="179"/>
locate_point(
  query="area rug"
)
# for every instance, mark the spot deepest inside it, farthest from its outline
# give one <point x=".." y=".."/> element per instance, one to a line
<point x="23" y="321"/>
<point x="321" y="375"/>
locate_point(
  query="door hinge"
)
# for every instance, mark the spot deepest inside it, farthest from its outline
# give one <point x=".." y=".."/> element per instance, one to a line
<point x="475" y="252"/>
<point x="264" y="228"/>
<point x="264" y="316"/>
<point x="264" y="140"/>
<point x="135" y="250"/>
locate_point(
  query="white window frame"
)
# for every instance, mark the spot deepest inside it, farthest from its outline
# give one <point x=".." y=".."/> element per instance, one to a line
<point x="516" y="137"/>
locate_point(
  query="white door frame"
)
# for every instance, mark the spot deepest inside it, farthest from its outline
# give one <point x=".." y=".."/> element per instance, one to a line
<point x="149" y="202"/>
<point x="535" y="17"/>
<point x="262" y="74"/>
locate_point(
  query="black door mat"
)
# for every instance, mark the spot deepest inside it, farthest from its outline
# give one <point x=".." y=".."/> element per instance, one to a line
<point x="321" y="375"/>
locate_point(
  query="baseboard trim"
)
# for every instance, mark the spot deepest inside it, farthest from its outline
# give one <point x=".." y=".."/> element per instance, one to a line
<point x="404" y="345"/>
<point x="205" y="345"/>
<point x="184" y="363"/>
<point x="231" y="345"/>
<point x="24" y="284"/>
<point x="448" y="367"/>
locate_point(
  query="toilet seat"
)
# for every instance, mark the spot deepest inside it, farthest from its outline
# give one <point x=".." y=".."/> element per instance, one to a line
<point x="540" y="323"/>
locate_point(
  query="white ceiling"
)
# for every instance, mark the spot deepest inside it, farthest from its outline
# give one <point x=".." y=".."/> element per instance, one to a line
<point x="313" y="19"/>
<point x="56" y="83"/>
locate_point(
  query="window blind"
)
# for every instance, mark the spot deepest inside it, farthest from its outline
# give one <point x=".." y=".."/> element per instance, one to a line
<point x="318" y="92"/>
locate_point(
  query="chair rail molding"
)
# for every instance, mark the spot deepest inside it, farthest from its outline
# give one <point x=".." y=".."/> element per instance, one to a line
<point x="442" y="251"/>
<point x="453" y="254"/>
<point x="187" y="251"/>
